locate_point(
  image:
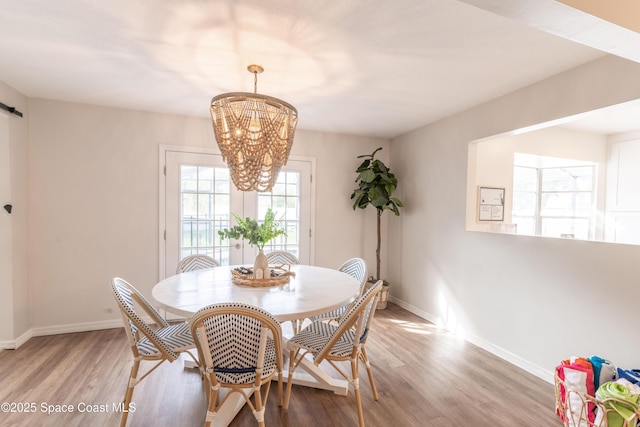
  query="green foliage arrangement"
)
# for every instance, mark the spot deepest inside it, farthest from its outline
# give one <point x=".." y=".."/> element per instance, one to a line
<point x="376" y="185"/>
<point x="257" y="234"/>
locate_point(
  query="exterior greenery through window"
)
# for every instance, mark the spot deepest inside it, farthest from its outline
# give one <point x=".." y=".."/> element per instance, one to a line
<point x="555" y="201"/>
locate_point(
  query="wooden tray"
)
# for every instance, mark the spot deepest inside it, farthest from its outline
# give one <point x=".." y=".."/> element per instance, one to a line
<point x="279" y="276"/>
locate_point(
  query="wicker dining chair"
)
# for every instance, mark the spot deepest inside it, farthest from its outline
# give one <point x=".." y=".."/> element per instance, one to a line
<point x="159" y="343"/>
<point x="357" y="268"/>
<point x="338" y="343"/>
<point x="282" y="258"/>
<point x="240" y="349"/>
<point x="196" y="262"/>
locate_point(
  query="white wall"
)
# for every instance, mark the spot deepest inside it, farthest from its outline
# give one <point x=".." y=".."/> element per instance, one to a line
<point x="94" y="204"/>
<point x="533" y="301"/>
<point x="14" y="232"/>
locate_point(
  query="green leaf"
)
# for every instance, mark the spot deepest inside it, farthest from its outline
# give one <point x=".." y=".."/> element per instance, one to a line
<point x="364" y="202"/>
<point x="397" y="202"/>
<point x="367" y="176"/>
<point x="363" y="166"/>
<point x="358" y="200"/>
<point x="389" y="188"/>
<point x="379" y="201"/>
<point x="380" y="167"/>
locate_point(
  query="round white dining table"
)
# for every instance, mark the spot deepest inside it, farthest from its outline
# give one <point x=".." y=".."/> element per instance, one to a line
<point x="313" y="290"/>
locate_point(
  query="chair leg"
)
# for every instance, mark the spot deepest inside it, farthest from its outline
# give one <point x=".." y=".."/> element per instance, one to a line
<point x="280" y="388"/>
<point x="128" y="395"/>
<point x="259" y="413"/>
<point x="356" y="390"/>
<point x="212" y="404"/>
<point x="365" y="359"/>
<point x="292" y="357"/>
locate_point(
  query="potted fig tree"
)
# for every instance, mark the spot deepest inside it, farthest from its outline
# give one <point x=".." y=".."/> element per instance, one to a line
<point x="376" y="185"/>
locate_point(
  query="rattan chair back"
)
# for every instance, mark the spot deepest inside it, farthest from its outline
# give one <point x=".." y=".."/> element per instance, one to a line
<point x="282" y="258"/>
<point x="196" y="262"/>
<point x="357" y="268"/>
<point x="240" y="349"/>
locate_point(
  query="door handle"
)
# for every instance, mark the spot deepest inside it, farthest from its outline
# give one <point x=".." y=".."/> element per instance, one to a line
<point x="237" y="246"/>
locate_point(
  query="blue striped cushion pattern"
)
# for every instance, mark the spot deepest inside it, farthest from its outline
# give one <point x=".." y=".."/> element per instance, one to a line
<point x="178" y="337"/>
<point x="315" y="336"/>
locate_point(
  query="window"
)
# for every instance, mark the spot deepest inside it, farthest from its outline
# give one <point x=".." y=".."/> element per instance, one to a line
<point x="198" y="198"/>
<point x="551" y="199"/>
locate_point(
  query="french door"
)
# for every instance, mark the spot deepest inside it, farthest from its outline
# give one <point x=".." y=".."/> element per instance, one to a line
<point x="200" y="199"/>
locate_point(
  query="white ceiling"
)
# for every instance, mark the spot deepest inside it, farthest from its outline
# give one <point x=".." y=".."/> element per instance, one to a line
<point x="364" y="67"/>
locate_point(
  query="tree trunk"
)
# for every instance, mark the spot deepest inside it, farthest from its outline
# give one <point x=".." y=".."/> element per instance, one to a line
<point x="378" y="248"/>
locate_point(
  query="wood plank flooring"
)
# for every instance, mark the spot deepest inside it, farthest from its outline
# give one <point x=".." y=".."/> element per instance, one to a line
<point x="425" y="377"/>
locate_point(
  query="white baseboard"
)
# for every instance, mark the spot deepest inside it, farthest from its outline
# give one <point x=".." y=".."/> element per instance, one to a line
<point x="24" y="338"/>
<point x="12" y="345"/>
<point x="483" y="344"/>
<point x="415" y="310"/>
<point x="70" y="328"/>
<point x="77" y="327"/>
<point x="60" y="329"/>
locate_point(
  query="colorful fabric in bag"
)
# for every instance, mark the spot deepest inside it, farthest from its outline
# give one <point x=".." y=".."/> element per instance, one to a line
<point x="633" y="388"/>
<point x="577" y="374"/>
<point x="631" y="375"/>
<point x="603" y="371"/>
<point x="617" y="412"/>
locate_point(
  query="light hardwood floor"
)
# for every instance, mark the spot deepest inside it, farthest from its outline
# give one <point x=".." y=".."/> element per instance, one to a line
<point x="425" y="377"/>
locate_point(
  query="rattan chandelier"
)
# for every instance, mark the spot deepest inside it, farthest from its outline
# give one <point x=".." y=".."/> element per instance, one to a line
<point x="254" y="133"/>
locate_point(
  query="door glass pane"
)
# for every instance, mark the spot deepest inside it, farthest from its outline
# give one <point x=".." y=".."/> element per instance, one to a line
<point x="205" y="209"/>
<point x="284" y="200"/>
<point x="189" y="178"/>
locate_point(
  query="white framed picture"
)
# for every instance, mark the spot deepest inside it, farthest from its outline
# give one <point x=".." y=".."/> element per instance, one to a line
<point x="490" y="204"/>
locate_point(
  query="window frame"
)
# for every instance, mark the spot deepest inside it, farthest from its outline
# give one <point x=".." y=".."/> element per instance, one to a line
<point x="539" y="217"/>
